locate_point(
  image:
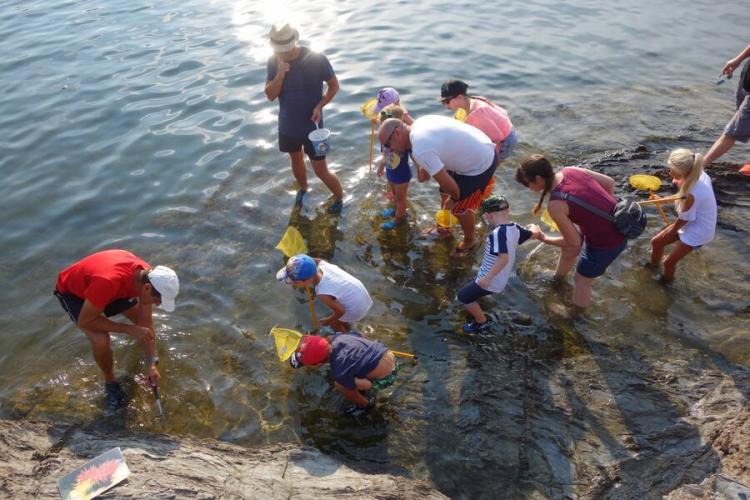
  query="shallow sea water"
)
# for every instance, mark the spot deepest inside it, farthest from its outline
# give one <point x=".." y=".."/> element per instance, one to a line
<point x="144" y="126"/>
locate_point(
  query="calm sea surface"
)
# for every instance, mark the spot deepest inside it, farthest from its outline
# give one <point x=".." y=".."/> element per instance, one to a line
<point x="143" y="125"/>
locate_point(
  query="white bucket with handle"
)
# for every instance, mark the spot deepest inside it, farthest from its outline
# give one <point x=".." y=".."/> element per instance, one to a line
<point x="321" y="140"/>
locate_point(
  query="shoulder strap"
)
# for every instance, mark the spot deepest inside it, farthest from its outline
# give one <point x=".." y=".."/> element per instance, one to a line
<point x="574" y="199"/>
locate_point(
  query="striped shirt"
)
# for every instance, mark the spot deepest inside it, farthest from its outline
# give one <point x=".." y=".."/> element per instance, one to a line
<point x="502" y="239"/>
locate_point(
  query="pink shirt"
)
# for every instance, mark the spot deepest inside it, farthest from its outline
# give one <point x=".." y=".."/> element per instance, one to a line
<point x="598" y="233"/>
<point x="490" y="118"/>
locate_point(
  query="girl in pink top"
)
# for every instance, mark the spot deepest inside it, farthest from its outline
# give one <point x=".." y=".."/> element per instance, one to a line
<point x="585" y="236"/>
<point x="483" y="114"/>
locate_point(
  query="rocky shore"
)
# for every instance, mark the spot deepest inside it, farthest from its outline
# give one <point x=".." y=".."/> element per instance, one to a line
<point x="34" y="454"/>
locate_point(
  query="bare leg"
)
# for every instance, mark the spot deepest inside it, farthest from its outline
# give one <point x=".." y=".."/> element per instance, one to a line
<point x="721" y="146"/>
<point x="467" y="222"/>
<point x="102" y="350"/>
<point x="581" y="292"/>
<point x="399" y="197"/>
<point x="476" y="311"/>
<point x="299" y="169"/>
<point x="670" y="263"/>
<point x="320" y="167"/>
<point x="658" y="243"/>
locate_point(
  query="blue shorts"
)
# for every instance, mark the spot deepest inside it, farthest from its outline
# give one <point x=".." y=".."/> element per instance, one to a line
<point x="471" y="292"/>
<point x="400" y="174"/>
<point x="592" y="262"/>
<point x="508" y="146"/>
<point x="73" y="304"/>
<point x="292" y="145"/>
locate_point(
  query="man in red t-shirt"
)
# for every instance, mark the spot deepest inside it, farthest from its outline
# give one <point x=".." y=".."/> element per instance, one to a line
<point x="114" y="282"/>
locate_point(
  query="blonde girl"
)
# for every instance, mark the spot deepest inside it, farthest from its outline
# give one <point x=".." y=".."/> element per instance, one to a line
<point x="696" y="222"/>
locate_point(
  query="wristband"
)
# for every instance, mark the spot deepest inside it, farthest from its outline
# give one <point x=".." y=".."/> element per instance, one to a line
<point x="152" y="361"/>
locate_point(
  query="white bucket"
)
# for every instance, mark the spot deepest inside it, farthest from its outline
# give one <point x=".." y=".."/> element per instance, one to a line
<point x="321" y="141"/>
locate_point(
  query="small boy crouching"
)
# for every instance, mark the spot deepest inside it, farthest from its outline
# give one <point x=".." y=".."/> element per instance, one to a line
<point x="498" y="262"/>
<point x="344" y="294"/>
<point x="357" y="364"/>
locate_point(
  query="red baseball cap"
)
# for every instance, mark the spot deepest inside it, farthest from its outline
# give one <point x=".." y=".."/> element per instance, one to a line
<point x="312" y="350"/>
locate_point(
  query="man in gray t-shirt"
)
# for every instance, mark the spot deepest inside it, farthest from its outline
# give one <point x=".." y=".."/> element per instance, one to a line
<point x="296" y="75"/>
<point x="738" y="128"/>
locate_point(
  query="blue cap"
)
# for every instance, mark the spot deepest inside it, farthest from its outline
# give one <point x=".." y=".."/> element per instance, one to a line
<point x="299" y="268"/>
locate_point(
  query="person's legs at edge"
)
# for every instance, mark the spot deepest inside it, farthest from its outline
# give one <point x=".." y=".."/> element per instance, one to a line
<point x="670" y="263"/>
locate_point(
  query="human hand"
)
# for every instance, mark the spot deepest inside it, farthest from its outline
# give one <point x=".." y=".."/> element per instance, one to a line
<point x="422" y="175"/>
<point x="358" y="411"/>
<point x="317" y="111"/>
<point x="730" y="66"/>
<point x="282" y="67"/>
<point x="381" y="170"/>
<point x="536" y="231"/>
<point x="142" y="333"/>
<point x="154" y="377"/>
<point x="484" y="282"/>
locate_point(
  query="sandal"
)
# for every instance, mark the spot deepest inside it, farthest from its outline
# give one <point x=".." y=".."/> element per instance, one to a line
<point x="438" y="232"/>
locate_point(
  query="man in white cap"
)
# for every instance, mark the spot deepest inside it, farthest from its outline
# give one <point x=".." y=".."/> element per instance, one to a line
<point x="296" y="76"/>
<point x="114" y="282"/>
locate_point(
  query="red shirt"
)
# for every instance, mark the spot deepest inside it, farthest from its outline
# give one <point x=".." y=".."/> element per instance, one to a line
<point x="598" y="233"/>
<point x="102" y="278"/>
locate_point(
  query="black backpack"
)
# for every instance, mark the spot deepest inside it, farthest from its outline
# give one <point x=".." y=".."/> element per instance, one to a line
<point x="627" y="216"/>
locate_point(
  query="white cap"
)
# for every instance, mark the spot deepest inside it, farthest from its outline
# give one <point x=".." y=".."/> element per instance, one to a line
<point x="165" y="281"/>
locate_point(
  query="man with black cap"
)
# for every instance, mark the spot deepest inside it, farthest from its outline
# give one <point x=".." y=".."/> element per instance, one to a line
<point x="296" y="76"/>
<point x="113" y="282"/>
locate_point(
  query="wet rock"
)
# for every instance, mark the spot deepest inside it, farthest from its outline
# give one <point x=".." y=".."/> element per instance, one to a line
<point x="34" y="454"/>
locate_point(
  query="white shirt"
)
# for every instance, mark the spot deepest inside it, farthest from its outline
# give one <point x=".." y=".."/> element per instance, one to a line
<point x="345" y="288"/>
<point x="504" y="238"/>
<point x="439" y="142"/>
<point x="701" y="217"/>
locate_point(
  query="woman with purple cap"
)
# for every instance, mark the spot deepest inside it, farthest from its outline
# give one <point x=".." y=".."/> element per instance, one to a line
<point x="396" y="167"/>
<point x="483" y="114"/>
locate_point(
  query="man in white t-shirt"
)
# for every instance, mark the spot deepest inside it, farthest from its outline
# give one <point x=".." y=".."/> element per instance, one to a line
<point x="461" y="158"/>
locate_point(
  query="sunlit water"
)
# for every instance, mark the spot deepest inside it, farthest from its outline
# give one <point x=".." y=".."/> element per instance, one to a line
<point x="144" y="126"/>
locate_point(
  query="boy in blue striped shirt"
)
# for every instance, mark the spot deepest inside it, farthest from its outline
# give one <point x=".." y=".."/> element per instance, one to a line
<point x="498" y="262"/>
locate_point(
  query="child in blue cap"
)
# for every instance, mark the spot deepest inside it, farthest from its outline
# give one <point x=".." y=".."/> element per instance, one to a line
<point x="344" y="294"/>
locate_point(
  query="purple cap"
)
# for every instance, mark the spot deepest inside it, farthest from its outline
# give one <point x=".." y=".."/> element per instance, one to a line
<point x="386" y="96"/>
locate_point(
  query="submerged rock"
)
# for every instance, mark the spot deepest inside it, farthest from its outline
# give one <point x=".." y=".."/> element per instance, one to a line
<point x="33" y="455"/>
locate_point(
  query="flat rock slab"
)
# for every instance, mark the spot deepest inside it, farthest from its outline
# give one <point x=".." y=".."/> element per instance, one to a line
<point x="33" y="455"/>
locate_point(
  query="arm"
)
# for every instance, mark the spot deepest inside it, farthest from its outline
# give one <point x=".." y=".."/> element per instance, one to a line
<point x="352" y="395"/>
<point x="273" y="86"/>
<point x="605" y="181"/>
<point x="337" y="310"/>
<point x="91" y="319"/>
<point x="448" y="185"/>
<point x="569" y="236"/>
<point x="500" y="263"/>
<point x="732" y="64"/>
<point x="331" y="90"/>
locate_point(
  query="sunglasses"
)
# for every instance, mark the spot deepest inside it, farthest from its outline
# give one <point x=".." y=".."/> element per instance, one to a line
<point x="446" y="100"/>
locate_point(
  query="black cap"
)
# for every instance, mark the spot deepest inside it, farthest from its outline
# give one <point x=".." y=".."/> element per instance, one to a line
<point x="452" y="88"/>
<point x="496" y="203"/>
